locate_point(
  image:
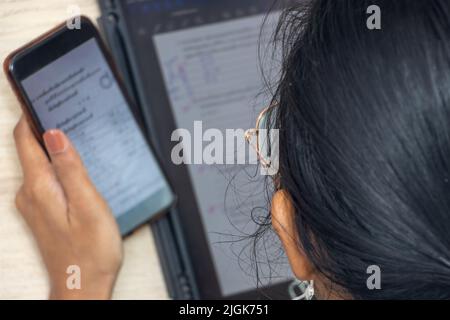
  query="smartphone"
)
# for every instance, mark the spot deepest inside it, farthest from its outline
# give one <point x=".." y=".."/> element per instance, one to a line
<point x="66" y="80"/>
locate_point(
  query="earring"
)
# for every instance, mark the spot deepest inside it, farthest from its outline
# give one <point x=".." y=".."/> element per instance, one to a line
<point x="306" y="289"/>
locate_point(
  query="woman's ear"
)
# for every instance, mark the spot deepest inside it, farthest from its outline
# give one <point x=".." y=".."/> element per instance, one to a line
<point x="283" y="222"/>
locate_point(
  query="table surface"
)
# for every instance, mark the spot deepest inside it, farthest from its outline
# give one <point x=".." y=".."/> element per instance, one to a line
<point x="22" y="274"/>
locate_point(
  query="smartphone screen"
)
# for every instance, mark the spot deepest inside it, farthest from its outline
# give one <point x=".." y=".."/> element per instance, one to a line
<point x="79" y="94"/>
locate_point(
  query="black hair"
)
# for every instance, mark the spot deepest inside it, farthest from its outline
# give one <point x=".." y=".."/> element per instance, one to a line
<point x="364" y="119"/>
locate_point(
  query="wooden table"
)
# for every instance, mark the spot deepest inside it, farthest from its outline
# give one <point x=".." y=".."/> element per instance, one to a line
<point x="22" y="275"/>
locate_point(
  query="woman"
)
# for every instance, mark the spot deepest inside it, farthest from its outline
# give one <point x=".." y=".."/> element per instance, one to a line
<point x="364" y="118"/>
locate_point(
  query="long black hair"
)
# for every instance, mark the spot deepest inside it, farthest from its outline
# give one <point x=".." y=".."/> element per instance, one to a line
<point x="364" y="119"/>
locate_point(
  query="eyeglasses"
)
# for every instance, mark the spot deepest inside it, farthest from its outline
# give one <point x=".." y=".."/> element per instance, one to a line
<point x="262" y="145"/>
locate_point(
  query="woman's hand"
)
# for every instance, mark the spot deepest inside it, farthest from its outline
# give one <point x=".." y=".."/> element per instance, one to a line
<point x="70" y="220"/>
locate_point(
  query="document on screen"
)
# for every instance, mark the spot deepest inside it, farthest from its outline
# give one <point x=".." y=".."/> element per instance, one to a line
<point x="212" y="74"/>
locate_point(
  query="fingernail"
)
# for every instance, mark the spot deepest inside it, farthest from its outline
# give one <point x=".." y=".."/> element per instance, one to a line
<point x="55" y="141"/>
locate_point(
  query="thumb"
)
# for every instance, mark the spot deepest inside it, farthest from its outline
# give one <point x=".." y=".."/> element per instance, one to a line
<point x="68" y="166"/>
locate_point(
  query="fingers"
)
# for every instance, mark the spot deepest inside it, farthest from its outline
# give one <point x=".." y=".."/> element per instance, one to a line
<point x="42" y="178"/>
<point x="68" y="167"/>
<point x="32" y="157"/>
